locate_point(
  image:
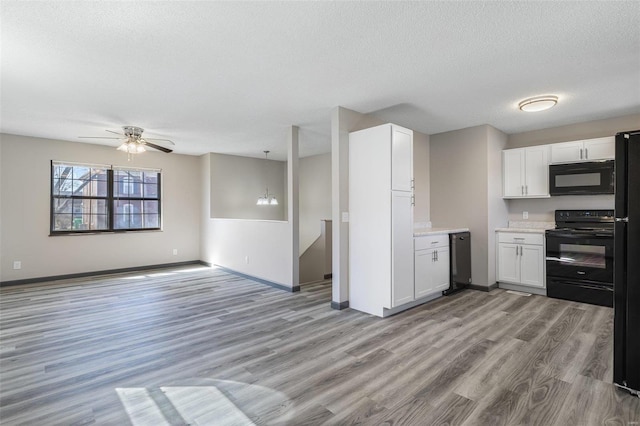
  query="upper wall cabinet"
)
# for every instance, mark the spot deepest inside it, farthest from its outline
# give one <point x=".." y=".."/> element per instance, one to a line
<point x="525" y="172"/>
<point x="585" y="150"/>
<point x="401" y="159"/>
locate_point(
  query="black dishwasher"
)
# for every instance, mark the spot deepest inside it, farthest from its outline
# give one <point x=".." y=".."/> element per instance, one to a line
<point x="460" y="262"/>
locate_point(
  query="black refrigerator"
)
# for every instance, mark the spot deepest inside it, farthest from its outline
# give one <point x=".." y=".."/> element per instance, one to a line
<point x="626" y="305"/>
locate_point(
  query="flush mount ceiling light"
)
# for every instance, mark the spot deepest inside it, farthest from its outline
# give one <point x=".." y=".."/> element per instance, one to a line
<point x="538" y="103"/>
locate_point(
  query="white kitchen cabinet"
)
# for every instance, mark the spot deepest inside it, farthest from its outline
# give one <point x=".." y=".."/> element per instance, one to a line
<point x="525" y="172"/>
<point x="431" y="265"/>
<point x="583" y="150"/>
<point x="380" y="219"/>
<point x="401" y="159"/>
<point x="402" y="248"/>
<point x="521" y="259"/>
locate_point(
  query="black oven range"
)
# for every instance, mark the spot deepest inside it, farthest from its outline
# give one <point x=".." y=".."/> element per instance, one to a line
<point x="580" y="256"/>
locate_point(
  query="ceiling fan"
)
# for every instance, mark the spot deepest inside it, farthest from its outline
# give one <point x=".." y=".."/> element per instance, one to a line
<point x="133" y="142"/>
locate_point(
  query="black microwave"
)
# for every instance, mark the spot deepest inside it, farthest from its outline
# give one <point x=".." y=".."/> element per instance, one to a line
<point x="587" y="178"/>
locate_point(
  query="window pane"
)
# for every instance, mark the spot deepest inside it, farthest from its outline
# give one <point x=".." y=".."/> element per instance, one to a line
<point x="125" y="210"/>
<point x="150" y="190"/>
<point x="99" y="182"/>
<point x="98" y="218"/>
<point x="99" y="174"/>
<point x="150" y="207"/>
<point x="100" y="221"/>
<point x="55" y="185"/>
<point x="62" y="205"/>
<point x="151" y="221"/>
<point x="128" y="184"/>
<point x="61" y="222"/>
<point x="62" y="179"/>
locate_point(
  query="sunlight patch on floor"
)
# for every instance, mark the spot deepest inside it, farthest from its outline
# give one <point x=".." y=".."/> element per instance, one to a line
<point x="202" y="402"/>
<point x="140" y="407"/>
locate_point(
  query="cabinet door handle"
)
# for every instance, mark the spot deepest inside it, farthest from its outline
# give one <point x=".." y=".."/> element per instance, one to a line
<point x="413" y="183"/>
<point x="526" y="190"/>
<point x="586" y="153"/>
<point x="522" y="190"/>
<point x="436" y="255"/>
<point x="581" y="153"/>
<point x="413" y="200"/>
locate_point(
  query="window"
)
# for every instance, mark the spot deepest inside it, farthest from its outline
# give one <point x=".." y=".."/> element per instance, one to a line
<point x="99" y="198"/>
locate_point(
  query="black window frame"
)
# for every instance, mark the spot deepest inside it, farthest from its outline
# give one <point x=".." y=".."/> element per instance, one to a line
<point x="110" y="200"/>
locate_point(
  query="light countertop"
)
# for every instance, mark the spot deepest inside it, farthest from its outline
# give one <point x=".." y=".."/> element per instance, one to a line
<point x="522" y="230"/>
<point x="423" y="232"/>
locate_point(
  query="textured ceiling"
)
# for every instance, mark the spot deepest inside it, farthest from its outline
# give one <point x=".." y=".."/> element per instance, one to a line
<point x="230" y="77"/>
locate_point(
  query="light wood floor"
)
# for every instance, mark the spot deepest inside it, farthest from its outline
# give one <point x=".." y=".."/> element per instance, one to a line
<point x="200" y="346"/>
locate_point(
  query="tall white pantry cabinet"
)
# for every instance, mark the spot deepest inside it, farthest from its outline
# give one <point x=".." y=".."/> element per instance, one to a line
<point x="381" y="203"/>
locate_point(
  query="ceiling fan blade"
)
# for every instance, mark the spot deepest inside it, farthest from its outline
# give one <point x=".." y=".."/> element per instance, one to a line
<point x="96" y="137"/>
<point x="164" y="140"/>
<point x="158" y="147"/>
<point x="116" y="133"/>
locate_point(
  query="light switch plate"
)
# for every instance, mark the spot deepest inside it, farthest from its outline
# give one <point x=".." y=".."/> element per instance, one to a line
<point x="525" y="215"/>
<point x="345" y="217"/>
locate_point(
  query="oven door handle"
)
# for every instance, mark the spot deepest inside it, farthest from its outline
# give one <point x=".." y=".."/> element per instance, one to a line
<point x="596" y="287"/>
<point x="579" y="235"/>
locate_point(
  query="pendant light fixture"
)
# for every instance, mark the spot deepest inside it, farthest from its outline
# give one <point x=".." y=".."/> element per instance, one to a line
<point x="267" y="200"/>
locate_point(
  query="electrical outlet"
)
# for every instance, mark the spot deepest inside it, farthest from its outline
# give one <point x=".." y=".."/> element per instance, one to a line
<point x="246" y="260"/>
<point x="525" y="215"/>
<point x="175" y="252"/>
<point x="345" y="217"/>
<point x="17" y="264"/>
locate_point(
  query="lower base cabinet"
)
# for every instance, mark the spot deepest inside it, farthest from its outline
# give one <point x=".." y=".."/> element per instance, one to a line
<point x="431" y="265"/>
<point x="521" y="259"/>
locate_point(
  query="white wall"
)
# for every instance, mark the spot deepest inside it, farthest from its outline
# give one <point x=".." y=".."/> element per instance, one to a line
<point x="24" y="232"/>
<point x="465" y="188"/>
<point x="260" y="248"/>
<point x="421" y="210"/>
<point x="315" y="197"/>
<point x="237" y="182"/>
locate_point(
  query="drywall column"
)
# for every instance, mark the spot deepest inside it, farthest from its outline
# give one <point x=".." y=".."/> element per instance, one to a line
<point x="339" y="203"/>
<point x="343" y="121"/>
<point x="293" y="209"/>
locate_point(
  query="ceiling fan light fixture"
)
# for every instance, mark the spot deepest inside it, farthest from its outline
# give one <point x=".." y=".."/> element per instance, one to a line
<point x="538" y="103"/>
<point x="125" y="147"/>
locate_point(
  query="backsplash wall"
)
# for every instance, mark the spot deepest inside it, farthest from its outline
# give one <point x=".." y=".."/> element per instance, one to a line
<point x="543" y="209"/>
